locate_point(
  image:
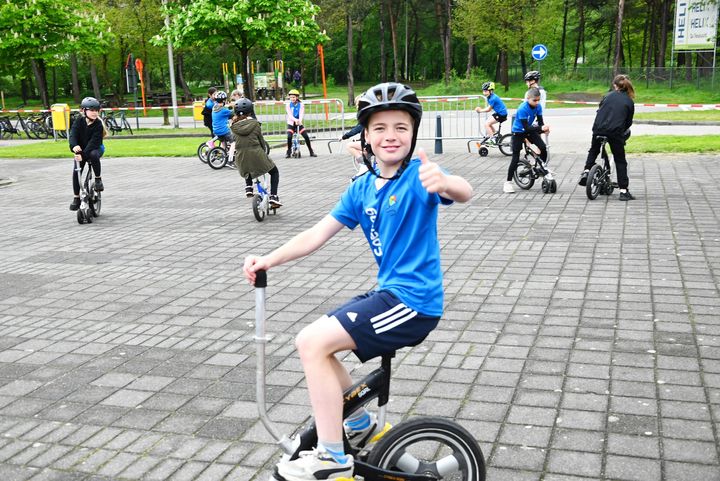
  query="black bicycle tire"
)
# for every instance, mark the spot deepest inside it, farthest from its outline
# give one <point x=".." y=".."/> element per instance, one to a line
<point x="210" y="158"/>
<point x="203" y="156"/>
<point x="257" y="211"/>
<point x="505" y="144"/>
<point x="465" y="448"/>
<point x="522" y="163"/>
<point x="593" y="185"/>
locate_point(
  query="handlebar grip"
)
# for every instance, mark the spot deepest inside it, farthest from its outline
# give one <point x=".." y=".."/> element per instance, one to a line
<point x="261" y="278"/>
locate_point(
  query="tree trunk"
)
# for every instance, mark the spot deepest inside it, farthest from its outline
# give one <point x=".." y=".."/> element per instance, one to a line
<point x="443" y="10"/>
<point x="618" y="37"/>
<point x="383" y="69"/>
<point x="470" y="58"/>
<point x="663" y="37"/>
<point x="392" y="19"/>
<point x="94" y="80"/>
<point x="350" y="77"/>
<point x="75" y="79"/>
<point x="581" y="33"/>
<point x="523" y="60"/>
<point x="564" y="32"/>
<point x="181" y="76"/>
<point x="38" y="68"/>
<point x="504" y="69"/>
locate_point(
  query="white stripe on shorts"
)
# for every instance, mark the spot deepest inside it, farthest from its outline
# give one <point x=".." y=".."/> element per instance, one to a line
<point x="392" y="318"/>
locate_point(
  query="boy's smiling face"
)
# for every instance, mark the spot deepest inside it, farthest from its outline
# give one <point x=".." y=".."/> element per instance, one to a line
<point x="389" y="133"/>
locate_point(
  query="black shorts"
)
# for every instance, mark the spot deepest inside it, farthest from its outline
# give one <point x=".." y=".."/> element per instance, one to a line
<point x="380" y="323"/>
<point x="499" y="118"/>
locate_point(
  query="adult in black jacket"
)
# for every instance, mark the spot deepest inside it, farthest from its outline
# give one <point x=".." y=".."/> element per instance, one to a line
<point x="613" y="120"/>
<point x="86" y="142"/>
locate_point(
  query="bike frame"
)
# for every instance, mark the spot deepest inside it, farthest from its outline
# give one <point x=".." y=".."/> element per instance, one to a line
<point x="375" y="385"/>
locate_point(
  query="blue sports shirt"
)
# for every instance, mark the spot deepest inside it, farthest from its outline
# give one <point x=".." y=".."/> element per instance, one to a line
<point x="497" y="105"/>
<point x="525" y="111"/>
<point x="220" y="121"/>
<point x="400" y="224"/>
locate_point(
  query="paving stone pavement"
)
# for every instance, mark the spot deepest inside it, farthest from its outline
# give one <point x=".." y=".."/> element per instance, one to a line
<point x="580" y="341"/>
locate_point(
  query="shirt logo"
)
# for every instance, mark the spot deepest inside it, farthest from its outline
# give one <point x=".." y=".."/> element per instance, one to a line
<point x="392" y="200"/>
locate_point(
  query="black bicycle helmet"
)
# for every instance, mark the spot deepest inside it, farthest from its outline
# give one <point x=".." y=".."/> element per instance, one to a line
<point x="220" y="96"/>
<point x="243" y="106"/>
<point x="388" y="96"/>
<point x="90" y="103"/>
<point x="488" y="86"/>
<point x="532" y="75"/>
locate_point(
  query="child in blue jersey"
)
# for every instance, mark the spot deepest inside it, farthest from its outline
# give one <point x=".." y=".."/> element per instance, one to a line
<point x="523" y="128"/>
<point x="396" y="205"/>
<point x="220" y="117"/>
<point x="496" y="105"/>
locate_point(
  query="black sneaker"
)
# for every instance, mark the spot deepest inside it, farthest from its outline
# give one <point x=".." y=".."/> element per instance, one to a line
<point x="313" y="154"/>
<point x="274" y="202"/>
<point x="626" y="196"/>
<point x="249" y="192"/>
<point x="75" y="204"/>
<point x="99" y="185"/>
<point x="287" y="154"/>
<point x="583" y="178"/>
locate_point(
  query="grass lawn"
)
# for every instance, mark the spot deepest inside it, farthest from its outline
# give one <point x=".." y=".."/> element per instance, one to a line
<point x="187" y="146"/>
<point x="671" y="144"/>
<point x="687" y="115"/>
<point x="129" y="147"/>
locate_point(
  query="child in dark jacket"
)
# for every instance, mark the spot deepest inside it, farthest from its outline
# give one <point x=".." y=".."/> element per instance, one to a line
<point x="86" y="142"/>
<point x="613" y="120"/>
<point x="251" y="156"/>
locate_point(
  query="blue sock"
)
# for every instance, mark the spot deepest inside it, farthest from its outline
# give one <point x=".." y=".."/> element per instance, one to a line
<point x="336" y="450"/>
<point x="358" y="420"/>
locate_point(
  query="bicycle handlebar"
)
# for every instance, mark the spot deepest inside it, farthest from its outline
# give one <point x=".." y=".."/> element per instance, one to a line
<point x="261" y="278"/>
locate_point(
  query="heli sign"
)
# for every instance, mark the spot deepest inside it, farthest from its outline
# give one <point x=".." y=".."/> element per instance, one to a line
<point x="695" y="25"/>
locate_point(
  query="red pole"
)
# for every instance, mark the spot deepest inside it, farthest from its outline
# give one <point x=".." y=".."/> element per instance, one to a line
<point x="322" y="70"/>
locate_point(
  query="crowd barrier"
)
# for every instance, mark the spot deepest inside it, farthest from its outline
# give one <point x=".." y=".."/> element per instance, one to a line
<point x="448" y="118"/>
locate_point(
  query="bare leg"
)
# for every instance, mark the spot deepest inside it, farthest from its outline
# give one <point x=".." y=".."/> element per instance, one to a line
<point x="326" y="377"/>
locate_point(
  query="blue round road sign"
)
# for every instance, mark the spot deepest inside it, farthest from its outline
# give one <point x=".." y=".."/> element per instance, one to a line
<point x="539" y="52"/>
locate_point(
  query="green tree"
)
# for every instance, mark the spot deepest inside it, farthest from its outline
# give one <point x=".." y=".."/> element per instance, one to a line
<point x="35" y="34"/>
<point x="271" y="24"/>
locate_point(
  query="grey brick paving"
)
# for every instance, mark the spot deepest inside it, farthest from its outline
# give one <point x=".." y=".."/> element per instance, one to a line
<point x="580" y="341"/>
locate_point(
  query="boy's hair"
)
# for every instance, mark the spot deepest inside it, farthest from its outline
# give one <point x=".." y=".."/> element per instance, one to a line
<point x="624" y="84"/>
<point x="211" y="91"/>
<point x="235" y="92"/>
<point x="533" y="93"/>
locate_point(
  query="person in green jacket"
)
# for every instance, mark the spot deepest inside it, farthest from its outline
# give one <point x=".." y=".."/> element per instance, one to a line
<point x="251" y="151"/>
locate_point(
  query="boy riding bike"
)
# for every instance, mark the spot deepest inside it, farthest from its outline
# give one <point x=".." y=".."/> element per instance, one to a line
<point x="396" y="205"/>
<point x="496" y="105"/>
<point x="86" y="142"/>
<point x="295" y="111"/>
<point x="523" y="128"/>
<point x="220" y="117"/>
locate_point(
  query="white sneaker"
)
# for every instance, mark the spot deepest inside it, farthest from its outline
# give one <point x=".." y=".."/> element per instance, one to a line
<point x="508" y="187"/>
<point x="314" y="465"/>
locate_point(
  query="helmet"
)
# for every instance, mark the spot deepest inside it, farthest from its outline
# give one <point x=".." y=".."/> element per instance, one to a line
<point x="90" y="103"/>
<point x="488" y="86"/>
<point x="243" y="106"/>
<point x="532" y="75"/>
<point x="294" y="92"/>
<point x="220" y="96"/>
<point x="389" y="96"/>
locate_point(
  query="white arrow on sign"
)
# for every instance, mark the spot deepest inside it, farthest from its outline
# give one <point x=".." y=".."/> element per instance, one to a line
<point x="539" y="52"/>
